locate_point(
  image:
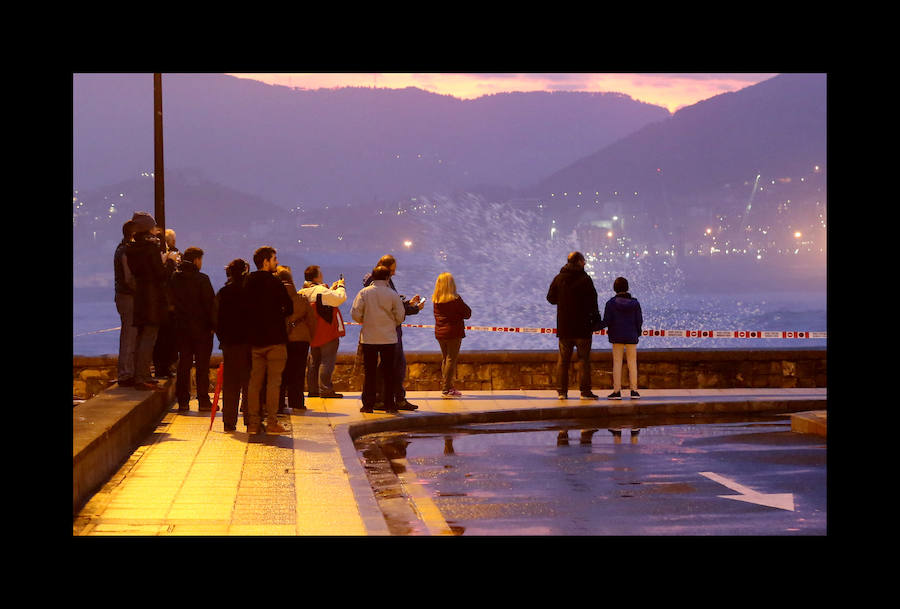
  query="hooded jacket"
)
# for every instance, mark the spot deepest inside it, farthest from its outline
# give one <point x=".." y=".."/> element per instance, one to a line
<point x="623" y="319"/>
<point x="150" y="303"/>
<point x="194" y="301"/>
<point x="573" y="293"/>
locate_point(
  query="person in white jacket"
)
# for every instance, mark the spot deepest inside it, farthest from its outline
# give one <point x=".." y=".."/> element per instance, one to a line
<point x="322" y="359"/>
<point x="379" y="310"/>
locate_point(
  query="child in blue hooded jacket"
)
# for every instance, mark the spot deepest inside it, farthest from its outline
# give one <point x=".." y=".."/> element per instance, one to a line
<point x="623" y="320"/>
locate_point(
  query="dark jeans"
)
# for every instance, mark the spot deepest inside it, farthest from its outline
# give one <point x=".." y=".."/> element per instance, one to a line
<point x="565" y="358"/>
<point x="165" y="351"/>
<point x="235" y="381"/>
<point x="193" y="351"/>
<point x="399" y="373"/>
<point x="294" y="375"/>
<point x="128" y="336"/>
<point x="378" y="358"/>
<point x="143" y="352"/>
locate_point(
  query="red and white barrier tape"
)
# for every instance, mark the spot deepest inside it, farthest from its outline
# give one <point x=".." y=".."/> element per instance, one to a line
<point x="673" y="333"/>
<point x="660" y="333"/>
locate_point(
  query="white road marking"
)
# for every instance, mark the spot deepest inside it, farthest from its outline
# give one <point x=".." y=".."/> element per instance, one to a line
<point x="782" y="501"/>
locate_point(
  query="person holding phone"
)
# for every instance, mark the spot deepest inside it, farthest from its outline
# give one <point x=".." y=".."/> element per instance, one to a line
<point x="449" y="329"/>
<point x="322" y="358"/>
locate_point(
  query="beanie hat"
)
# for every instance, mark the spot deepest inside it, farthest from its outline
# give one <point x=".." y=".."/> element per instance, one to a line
<point x="143" y="221"/>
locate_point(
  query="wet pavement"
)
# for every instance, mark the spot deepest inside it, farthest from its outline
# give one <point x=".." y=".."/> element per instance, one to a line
<point x="188" y="479"/>
<point x="693" y="476"/>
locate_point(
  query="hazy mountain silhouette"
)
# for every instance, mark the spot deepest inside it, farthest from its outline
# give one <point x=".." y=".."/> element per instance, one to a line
<point x="337" y="146"/>
<point x="776" y="127"/>
<point x="193" y="203"/>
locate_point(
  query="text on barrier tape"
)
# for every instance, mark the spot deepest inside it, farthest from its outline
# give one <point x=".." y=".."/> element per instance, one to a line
<point x="673" y="333"/>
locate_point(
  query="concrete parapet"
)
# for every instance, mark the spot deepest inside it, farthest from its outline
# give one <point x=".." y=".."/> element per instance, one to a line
<point x="498" y="370"/>
<point x="106" y="429"/>
<point x="657" y="369"/>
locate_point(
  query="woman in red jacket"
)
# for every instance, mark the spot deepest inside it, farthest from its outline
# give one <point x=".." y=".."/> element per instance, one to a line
<point x="449" y="329"/>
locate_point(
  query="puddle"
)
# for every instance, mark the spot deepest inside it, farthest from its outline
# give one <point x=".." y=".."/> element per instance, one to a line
<point x="573" y="477"/>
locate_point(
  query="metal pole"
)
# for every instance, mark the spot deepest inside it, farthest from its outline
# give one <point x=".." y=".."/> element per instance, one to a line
<point x="159" y="197"/>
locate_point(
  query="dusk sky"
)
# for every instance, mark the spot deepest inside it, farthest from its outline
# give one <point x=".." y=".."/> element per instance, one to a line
<point x="670" y="90"/>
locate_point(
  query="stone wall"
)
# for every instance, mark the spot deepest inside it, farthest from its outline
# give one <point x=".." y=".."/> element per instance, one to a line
<point x="489" y="370"/>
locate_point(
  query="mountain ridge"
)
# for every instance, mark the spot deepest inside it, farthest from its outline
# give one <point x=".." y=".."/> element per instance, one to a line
<point x="351" y="144"/>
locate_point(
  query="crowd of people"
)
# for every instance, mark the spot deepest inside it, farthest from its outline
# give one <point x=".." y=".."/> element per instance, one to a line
<point x="277" y="340"/>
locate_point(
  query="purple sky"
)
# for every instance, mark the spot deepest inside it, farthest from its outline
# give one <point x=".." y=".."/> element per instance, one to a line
<point x="670" y="90"/>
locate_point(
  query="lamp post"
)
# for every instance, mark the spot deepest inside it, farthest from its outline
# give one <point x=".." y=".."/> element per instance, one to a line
<point x="159" y="198"/>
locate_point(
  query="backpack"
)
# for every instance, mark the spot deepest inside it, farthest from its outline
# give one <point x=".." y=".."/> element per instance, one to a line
<point x="329" y="323"/>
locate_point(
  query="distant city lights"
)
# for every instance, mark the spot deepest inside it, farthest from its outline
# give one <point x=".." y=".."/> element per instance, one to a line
<point x="789" y="218"/>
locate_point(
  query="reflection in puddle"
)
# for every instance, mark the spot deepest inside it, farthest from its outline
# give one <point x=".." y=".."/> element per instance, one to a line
<point x="558" y="477"/>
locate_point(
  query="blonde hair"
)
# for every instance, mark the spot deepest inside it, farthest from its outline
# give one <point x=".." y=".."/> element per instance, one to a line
<point x="444" y="288"/>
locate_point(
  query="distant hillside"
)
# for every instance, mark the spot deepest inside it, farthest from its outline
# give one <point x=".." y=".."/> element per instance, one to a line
<point x="193" y="203"/>
<point x="220" y="220"/>
<point x="777" y="128"/>
<point x="349" y="145"/>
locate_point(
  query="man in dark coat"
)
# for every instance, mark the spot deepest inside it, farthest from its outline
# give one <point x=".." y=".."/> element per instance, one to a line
<point x="194" y="321"/>
<point x="231" y="328"/>
<point x="577" y="317"/>
<point x="144" y="258"/>
<point x="268" y="306"/>
<point x="124" y="298"/>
